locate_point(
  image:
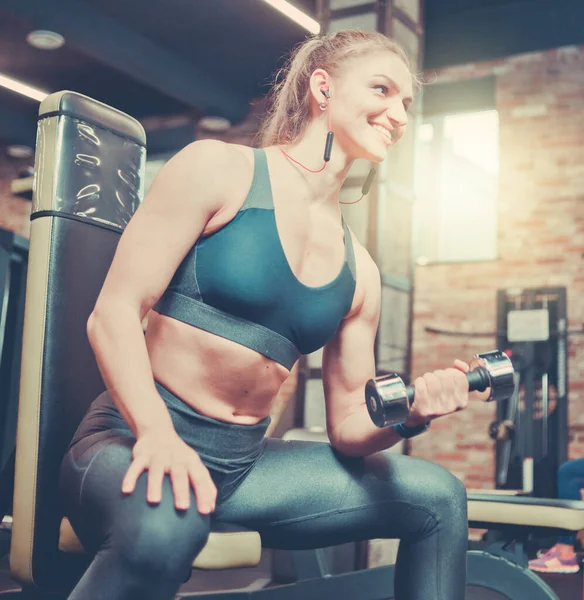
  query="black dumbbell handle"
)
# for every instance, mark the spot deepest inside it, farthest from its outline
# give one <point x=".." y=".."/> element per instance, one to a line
<point x="478" y="381"/>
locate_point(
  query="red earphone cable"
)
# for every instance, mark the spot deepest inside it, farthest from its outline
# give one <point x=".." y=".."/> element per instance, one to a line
<point x="323" y="166"/>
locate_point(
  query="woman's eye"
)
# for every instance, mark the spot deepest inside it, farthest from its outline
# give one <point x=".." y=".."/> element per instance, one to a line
<point x="384" y="89"/>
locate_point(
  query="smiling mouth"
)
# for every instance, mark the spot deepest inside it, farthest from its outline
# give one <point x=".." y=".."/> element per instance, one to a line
<point x="386" y="134"/>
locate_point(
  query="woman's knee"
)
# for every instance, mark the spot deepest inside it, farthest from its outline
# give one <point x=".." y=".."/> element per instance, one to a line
<point x="443" y="490"/>
<point x="420" y="498"/>
<point x="162" y="541"/>
<point x="421" y="482"/>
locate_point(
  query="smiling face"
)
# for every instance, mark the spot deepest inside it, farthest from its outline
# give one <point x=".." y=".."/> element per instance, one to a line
<point x="369" y="100"/>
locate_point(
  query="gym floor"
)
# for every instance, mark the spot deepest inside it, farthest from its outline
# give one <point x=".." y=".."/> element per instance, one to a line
<point x="567" y="587"/>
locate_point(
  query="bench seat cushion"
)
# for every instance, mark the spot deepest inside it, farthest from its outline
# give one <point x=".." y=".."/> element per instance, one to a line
<point x="227" y="547"/>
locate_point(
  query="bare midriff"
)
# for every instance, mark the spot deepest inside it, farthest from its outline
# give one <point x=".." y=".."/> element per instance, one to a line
<point x="217" y="377"/>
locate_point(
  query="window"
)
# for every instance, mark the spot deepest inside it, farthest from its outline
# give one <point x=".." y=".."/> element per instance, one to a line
<point x="457" y="176"/>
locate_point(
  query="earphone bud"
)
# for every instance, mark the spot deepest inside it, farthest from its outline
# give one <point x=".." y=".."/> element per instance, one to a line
<point x="325" y="92"/>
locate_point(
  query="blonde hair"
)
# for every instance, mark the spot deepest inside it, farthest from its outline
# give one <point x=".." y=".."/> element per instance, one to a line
<point x="289" y="98"/>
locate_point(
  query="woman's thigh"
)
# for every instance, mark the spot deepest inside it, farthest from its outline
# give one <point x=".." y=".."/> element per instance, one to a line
<point x="305" y="494"/>
<point x="102" y="516"/>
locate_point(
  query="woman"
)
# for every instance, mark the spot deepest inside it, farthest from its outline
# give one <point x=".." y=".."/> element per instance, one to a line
<point x="246" y="262"/>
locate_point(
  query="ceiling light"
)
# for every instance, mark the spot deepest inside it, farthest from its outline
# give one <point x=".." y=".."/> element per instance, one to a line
<point x="45" y="40"/>
<point x="22" y="88"/>
<point x="215" y="124"/>
<point x="296" y="15"/>
<point x="18" y="151"/>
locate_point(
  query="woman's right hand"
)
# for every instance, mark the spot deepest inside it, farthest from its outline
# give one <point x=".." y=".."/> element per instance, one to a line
<point x="162" y="452"/>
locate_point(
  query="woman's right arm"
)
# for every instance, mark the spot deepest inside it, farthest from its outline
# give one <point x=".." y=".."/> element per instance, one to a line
<point x="190" y="191"/>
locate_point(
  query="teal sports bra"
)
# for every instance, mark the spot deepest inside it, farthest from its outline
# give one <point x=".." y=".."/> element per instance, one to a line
<point x="237" y="283"/>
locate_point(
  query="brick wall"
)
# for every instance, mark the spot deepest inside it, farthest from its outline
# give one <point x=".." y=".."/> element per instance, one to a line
<point x="540" y="100"/>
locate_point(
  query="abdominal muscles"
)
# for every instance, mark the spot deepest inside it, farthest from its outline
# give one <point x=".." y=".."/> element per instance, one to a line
<point x="215" y="376"/>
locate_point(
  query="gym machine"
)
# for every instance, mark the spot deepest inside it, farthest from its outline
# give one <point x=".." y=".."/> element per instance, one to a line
<point x="531" y="427"/>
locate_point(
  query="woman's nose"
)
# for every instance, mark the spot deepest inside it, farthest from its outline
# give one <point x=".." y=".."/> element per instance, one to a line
<point x="398" y="118"/>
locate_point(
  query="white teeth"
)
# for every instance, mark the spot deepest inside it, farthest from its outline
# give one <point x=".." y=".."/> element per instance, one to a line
<point x="386" y="133"/>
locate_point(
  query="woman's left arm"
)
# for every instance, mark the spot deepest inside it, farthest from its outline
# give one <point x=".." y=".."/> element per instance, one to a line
<point x="349" y="362"/>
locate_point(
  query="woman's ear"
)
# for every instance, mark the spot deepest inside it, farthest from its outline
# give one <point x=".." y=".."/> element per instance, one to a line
<point x="320" y="81"/>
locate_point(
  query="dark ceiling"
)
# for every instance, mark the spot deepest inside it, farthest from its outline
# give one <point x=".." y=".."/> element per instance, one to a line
<point x="168" y="57"/>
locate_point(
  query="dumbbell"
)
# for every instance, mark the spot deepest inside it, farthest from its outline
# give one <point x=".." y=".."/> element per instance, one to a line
<point x="389" y="400"/>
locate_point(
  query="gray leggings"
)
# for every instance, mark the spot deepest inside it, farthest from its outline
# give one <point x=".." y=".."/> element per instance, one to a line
<point x="297" y="495"/>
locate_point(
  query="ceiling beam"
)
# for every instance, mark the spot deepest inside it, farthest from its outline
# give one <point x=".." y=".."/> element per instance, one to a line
<point x="112" y="44"/>
<point x="488" y="32"/>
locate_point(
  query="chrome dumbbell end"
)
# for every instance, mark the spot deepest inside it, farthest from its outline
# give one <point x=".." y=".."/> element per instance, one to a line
<point x="500" y="370"/>
<point x="387" y="400"/>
